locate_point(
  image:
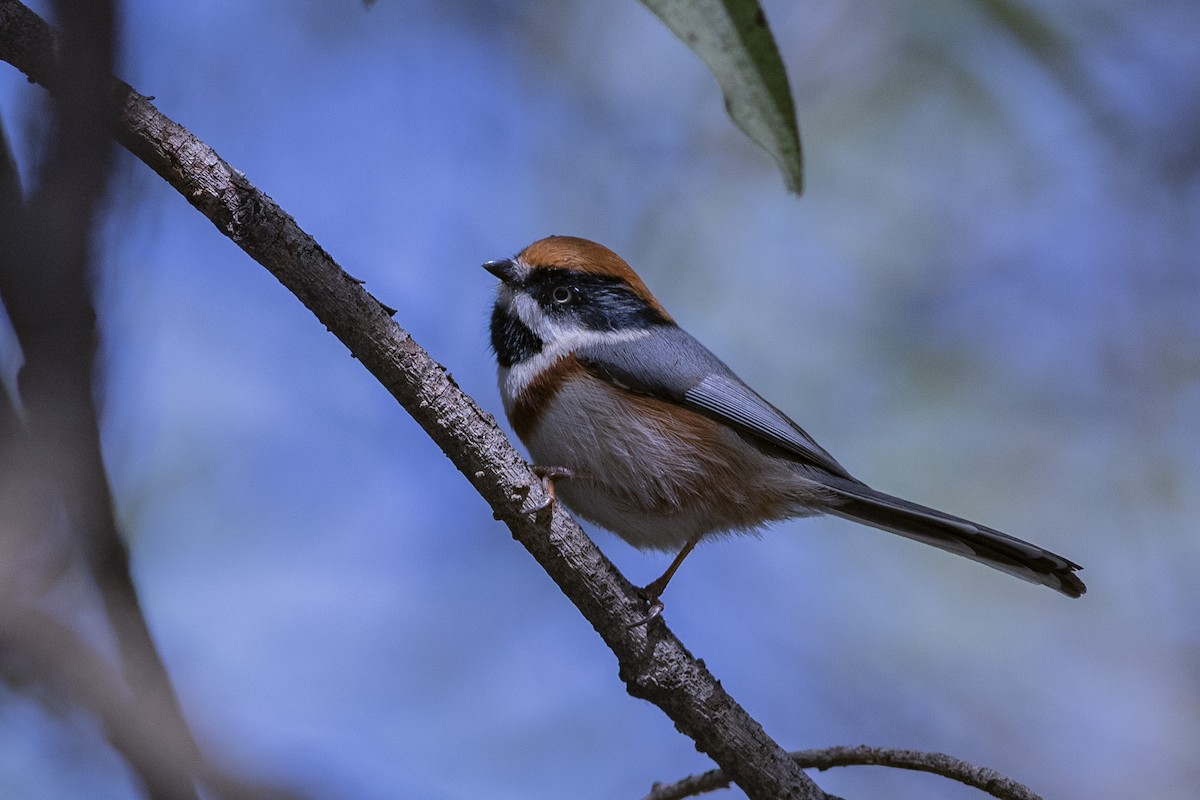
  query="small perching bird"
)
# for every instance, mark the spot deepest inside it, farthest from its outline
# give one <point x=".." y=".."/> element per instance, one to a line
<point x="656" y="440"/>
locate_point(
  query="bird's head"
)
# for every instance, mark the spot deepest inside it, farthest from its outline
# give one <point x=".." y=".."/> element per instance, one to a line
<point x="563" y="289"/>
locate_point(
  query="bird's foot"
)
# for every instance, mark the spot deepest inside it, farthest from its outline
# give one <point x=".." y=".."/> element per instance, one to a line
<point x="548" y="476"/>
<point x="654" y="604"/>
<point x="652" y="591"/>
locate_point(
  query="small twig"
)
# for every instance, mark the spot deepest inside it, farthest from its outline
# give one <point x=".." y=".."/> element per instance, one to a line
<point x="982" y="778"/>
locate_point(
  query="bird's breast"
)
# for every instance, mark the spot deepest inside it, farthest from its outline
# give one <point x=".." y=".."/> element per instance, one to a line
<point x="651" y="471"/>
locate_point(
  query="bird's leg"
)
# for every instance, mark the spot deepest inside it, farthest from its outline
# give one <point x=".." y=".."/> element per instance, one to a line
<point x="652" y="591"/>
<point x="548" y="476"/>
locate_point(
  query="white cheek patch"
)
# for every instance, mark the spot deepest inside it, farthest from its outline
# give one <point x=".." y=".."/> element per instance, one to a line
<point x="547" y="327"/>
<point x="529" y="312"/>
<point x="560" y="335"/>
<point x="517" y="378"/>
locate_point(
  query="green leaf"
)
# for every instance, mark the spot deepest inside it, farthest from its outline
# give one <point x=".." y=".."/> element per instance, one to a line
<point x="733" y="39"/>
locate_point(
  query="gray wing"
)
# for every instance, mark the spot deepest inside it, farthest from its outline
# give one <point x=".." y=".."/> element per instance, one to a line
<point x="671" y="365"/>
<point x="674" y="367"/>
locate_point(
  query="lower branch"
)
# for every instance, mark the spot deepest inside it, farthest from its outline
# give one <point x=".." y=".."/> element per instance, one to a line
<point x="982" y="778"/>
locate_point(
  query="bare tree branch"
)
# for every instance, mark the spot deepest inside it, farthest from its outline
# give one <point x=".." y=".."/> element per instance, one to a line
<point x="653" y="663"/>
<point x="987" y="780"/>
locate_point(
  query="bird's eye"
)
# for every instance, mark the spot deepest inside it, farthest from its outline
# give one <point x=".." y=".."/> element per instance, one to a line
<point x="563" y="295"/>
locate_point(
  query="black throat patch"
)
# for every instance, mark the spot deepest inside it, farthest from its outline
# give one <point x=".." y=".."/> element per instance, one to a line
<point x="512" y="341"/>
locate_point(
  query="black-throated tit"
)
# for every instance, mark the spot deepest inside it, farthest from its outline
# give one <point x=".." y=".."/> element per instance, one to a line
<point x="662" y="443"/>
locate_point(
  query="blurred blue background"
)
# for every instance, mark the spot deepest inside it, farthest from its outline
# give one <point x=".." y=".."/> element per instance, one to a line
<point x="988" y="300"/>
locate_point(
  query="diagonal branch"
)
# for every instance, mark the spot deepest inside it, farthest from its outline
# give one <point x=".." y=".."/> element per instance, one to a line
<point x="653" y="663"/>
<point x="982" y="778"/>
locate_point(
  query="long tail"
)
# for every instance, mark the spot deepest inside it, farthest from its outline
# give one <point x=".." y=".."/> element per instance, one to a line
<point x="955" y="535"/>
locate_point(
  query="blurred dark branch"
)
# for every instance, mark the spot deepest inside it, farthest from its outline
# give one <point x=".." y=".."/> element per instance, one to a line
<point x="44" y="650"/>
<point x="47" y="291"/>
<point x="52" y="477"/>
<point x="55" y="655"/>
<point x="981" y="778"/>
<point x="45" y="286"/>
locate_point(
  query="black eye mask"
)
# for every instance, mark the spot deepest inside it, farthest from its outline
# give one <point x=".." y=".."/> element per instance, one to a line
<point x="598" y="302"/>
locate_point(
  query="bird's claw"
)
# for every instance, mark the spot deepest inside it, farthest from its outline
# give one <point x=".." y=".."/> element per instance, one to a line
<point x="548" y="476"/>
<point x="654" y="610"/>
